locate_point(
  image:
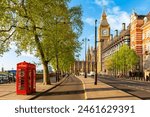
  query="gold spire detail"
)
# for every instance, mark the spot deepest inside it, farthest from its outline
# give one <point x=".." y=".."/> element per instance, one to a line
<point x="104" y="21"/>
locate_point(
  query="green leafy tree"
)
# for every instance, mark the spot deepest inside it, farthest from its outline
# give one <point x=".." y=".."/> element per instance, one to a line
<point x="122" y="61"/>
<point x="67" y="43"/>
<point x="109" y="63"/>
<point x="38" y="27"/>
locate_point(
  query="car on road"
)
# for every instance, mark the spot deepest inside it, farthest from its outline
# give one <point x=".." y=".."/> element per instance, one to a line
<point x="3" y="78"/>
<point x="91" y="73"/>
<point x="82" y="73"/>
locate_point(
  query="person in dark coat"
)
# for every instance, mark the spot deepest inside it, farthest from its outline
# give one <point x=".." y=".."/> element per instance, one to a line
<point x="147" y="77"/>
<point x="9" y="79"/>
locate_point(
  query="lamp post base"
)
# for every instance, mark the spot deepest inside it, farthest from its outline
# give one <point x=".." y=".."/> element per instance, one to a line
<point x="95" y="83"/>
<point x="85" y="76"/>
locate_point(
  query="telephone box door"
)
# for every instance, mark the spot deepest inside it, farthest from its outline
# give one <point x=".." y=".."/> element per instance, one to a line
<point x="21" y="81"/>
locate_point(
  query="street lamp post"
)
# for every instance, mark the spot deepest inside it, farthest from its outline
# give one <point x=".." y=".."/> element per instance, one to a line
<point x="95" y="52"/>
<point x="101" y="40"/>
<point x="85" y="40"/>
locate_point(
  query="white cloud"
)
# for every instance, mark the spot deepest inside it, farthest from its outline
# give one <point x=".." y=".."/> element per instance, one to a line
<point x="103" y="2"/>
<point x="116" y="17"/>
<point x="90" y="21"/>
<point x="115" y="10"/>
<point x="27" y="54"/>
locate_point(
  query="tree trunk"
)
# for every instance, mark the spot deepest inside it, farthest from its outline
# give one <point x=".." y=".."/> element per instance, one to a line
<point x="46" y="79"/>
<point x="57" y="66"/>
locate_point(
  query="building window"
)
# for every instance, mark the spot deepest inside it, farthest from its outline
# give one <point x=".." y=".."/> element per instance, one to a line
<point x="148" y="47"/>
<point x="143" y="36"/>
<point x="147" y="34"/>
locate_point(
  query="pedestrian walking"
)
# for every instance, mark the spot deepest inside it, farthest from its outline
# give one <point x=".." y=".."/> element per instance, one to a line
<point x="13" y="77"/>
<point x="130" y="74"/>
<point x="9" y="80"/>
<point x="147" y="77"/>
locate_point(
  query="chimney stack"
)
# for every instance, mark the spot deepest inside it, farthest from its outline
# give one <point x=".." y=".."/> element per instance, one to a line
<point x="123" y="26"/>
<point x="116" y="31"/>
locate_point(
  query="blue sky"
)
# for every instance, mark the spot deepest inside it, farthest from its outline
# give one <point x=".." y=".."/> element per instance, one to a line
<point x="118" y="12"/>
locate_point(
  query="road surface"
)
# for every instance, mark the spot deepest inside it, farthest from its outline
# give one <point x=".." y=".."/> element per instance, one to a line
<point x="71" y="89"/>
<point x="139" y="89"/>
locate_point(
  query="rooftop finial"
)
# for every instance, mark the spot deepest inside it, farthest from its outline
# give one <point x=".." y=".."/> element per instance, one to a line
<point x="104" y="21"/>
<point x="104" y="11"/>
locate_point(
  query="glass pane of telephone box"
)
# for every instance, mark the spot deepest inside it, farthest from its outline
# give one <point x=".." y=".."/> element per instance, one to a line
<point x="29" y="81"/>
<point x="21" y="79"/>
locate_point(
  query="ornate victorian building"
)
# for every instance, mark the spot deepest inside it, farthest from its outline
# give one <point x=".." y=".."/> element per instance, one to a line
<point x="136" y="35"/>
<point x="114" y="45"/>
<point x="140" y="39"/>
<point x="146" y="44"/>
<point x="107" y="44"/>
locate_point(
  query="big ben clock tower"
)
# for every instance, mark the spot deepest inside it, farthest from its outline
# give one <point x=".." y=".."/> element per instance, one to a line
<point x="103" y="38"/>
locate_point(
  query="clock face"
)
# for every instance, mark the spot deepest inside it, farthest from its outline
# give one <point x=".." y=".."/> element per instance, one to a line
<point x="105" y="32"/>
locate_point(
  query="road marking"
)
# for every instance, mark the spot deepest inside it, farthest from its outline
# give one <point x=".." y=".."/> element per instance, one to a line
<point x="85" y="94"/>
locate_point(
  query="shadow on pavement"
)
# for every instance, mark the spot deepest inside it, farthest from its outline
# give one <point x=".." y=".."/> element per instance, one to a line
<point x="64" y="93"/>
<point x="71" y="84"/>
<point x="7" y="94"/>
<point x="127" y="90"/>
<point x="100" y="89"/>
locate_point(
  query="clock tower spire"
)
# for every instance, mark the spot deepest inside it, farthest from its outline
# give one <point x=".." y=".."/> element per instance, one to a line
<point x="103" y="34"/>
<point x="104" y="28"/>
<point x="104" y="21"/>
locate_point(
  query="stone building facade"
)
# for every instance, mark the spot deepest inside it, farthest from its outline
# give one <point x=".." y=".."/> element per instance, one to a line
<point x="114" y="45"/>
<point x="146" y="44"/>
<point x="140" y="39"/>
<point x="109" y="44"/>
<point x="90" y="60"/>
<point x="136" y="35"/>
<point x="79" y="66"/>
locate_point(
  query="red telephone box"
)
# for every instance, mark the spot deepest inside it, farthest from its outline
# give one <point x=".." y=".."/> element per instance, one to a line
<point x="25" y="78"/>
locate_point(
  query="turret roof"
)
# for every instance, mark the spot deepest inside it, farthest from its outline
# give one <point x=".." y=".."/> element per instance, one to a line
<point x="104" y="21"/>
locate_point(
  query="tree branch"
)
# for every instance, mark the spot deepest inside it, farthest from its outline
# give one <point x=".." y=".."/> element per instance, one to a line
<point x="4" y="41"/>
<point x="8" y="29"/>
<point x="38" y="28"/>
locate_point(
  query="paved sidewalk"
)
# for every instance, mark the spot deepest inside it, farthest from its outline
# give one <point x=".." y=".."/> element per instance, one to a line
<point x="102" y="91"/>
<point x="8" y="91"/>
